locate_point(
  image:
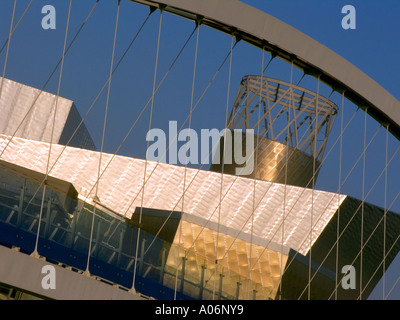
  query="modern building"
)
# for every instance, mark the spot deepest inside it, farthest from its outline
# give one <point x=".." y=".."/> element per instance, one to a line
<point x="116" y="227"/>
<point x="161" y="239"/>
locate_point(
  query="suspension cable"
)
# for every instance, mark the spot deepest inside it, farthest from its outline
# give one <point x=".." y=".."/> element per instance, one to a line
<point x="255" y="168"/>
<point x="145" y="164"/>
<point x="384" y="215"/>
<point x="15" y="27"/>
<point x="339" y="191"/>
<point x="35" y="252"/>
<point x="313" y="190"/>
<point x="285" y="182"/>
<point x="87" y="271"/>
<point x="363" y="202"/>
<point x="223" y="162"/>
<point x="186" y="163"/>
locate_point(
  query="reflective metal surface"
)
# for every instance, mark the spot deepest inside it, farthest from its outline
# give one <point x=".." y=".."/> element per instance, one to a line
<point x="120" y="189"/>
<point x="276" y="162"/>
<point x="28" y="112"/>
<point x="235" y="258"/>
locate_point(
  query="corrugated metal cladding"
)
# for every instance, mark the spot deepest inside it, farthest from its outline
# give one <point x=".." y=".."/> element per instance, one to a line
<point x="28" y="112"/>
<point x="120" y="189"/>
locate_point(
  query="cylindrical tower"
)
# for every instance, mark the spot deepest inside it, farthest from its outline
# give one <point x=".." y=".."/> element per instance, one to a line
<point x="290" y="126"/>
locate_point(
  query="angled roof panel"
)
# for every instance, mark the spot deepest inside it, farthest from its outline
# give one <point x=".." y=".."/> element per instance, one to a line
<point x="28" y="113"/>
<point x="120" y="189"/>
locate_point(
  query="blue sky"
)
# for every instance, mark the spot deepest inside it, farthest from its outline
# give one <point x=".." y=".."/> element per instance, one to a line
<point x="372" y="47"/>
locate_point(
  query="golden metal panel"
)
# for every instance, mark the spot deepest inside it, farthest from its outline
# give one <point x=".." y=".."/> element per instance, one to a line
<point x="271" y="161"/>
<point x="234" y="257"/>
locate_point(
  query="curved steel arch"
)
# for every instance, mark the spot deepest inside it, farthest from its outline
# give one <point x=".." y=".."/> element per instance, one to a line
<point x="275" y="36"/>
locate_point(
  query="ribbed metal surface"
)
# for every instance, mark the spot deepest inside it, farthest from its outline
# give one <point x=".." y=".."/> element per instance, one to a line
<point x="279" y="163"/>
<point x="28" y="112"/>
<point x="276" y="162"/>
<point x="235" y="258"/>
<point x="120" y="189"/>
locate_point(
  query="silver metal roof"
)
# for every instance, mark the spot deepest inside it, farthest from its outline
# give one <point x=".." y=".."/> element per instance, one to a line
<point x="19" y="101"/>
<point x="120" y="189"/>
